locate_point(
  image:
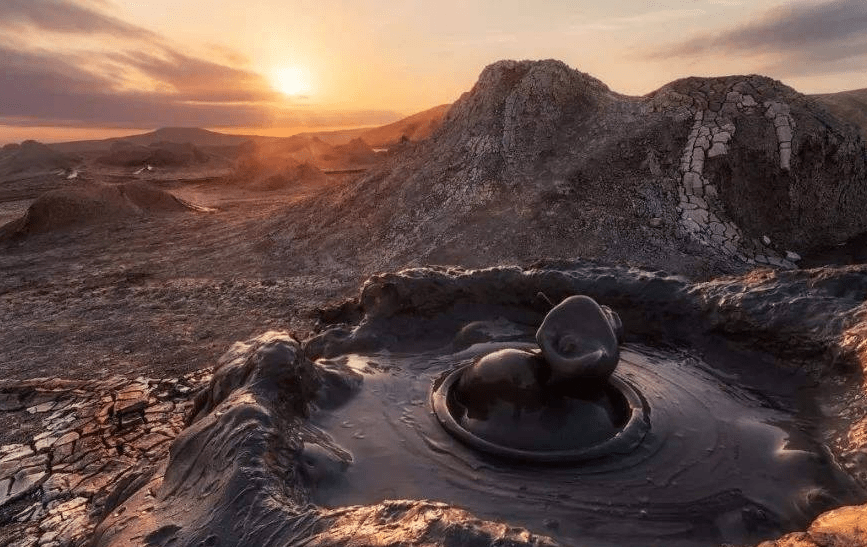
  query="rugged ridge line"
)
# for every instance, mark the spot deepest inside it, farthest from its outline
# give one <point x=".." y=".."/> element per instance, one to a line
<point x="539" y="160"/>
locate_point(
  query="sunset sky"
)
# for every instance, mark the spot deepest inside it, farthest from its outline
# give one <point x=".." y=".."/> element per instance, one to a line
<point x="87" y="68"/>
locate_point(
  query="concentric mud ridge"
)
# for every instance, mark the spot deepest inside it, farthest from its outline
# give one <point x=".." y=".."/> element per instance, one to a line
<point x="252" y="464"/>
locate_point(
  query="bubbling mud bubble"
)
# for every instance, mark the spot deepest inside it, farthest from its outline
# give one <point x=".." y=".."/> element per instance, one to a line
<point x="579" y="339"/>
<point x="556" y="404"/>
<point x="578" y="423"/>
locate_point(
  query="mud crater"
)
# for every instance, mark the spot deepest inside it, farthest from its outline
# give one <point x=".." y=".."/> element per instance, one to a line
<point x="727" y="457"/>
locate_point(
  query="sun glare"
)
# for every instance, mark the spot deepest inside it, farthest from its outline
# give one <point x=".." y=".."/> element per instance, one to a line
<point x="291" y="81"/>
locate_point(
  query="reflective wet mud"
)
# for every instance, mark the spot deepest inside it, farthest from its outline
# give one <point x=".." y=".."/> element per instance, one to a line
<point x="720" y="462"/>
<point x="568" y="423"/>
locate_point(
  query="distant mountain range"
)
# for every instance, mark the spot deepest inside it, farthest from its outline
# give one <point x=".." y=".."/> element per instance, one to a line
<point x="416" y="127"/>
<point x="192" y="135"/>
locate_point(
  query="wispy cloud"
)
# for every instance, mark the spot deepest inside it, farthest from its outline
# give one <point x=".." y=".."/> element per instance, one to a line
<point x="195" y="79"/>
<point x="139" y="79"/>
<point x="641" y="19"/>
<point x="66" y="16"/>
<point x="802" y="37"/>
<point x="727" y="2"/>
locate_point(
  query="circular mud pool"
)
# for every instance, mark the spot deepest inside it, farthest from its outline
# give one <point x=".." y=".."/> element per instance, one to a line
<point x="726" y="456"/>
<point x="585" y="421"/>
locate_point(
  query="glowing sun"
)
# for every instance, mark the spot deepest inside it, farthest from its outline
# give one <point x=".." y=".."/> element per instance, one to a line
<point x="290" y="81"/>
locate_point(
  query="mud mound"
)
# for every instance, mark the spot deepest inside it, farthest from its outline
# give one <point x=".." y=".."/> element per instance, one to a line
<point x="32" y="156"/>
<point x="706" y="175"/>
<point x="355" y="152"/>
<point x="289" y="177"/>
<point x="301" y="148"/>
<point x="161" y="154"/>
<point x="263" y="157"/>
<point x="414" y="128"/>
<point x="93" y="203"/>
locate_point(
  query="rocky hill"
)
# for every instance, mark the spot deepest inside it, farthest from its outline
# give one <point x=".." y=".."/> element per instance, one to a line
<point x="705" y="175"/>
<point x="848" y="105"/>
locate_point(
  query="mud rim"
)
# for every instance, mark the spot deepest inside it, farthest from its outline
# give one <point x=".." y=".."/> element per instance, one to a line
<point x="624" y="442"/>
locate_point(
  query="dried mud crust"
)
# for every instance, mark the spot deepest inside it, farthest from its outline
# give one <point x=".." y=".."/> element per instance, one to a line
<point x="85" y="442"/>
<point x="233" y="473"/>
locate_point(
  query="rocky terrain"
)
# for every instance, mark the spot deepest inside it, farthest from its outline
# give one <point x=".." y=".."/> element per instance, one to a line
<point x="125" y="315"/>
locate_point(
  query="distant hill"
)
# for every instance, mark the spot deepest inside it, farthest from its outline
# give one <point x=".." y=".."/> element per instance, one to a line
<point x="181" y="135"/>
<point x="158" y="154"/>
<point x="336" y="137"/>
<point x="415" y="128"/>
<point x="299" y="175"/>
<point x="32" y="156"/>
<point x="264" y="157"/>
<point x="192" y="135"/>
<point x="356" y="152"/>
<point x="850" y="106"/>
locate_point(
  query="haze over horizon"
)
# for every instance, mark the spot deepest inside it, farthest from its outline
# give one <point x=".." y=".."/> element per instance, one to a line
<point x="78" y="69"/>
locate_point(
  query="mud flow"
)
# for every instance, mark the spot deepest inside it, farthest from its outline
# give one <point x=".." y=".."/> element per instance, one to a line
<point x="728" y="456"/>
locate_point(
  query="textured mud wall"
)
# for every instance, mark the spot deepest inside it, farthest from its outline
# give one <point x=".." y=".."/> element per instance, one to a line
<point x="770" y="161"/>
<point x="800" y="315"/>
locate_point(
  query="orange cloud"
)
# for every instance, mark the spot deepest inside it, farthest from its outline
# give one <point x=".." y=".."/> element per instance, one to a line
<point x="141" y="80"/>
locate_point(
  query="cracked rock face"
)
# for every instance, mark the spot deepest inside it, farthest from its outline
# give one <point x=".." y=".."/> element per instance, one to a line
<point x="142" y="462"/>
<point x="763" y="159"/>
<point x="540" y="160"/>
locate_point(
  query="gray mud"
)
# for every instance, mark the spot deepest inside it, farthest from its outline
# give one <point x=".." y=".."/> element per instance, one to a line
<point x="726" y="460"/>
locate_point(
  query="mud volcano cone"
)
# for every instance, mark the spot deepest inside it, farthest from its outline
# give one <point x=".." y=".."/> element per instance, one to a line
<point x="560" y="403"/>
